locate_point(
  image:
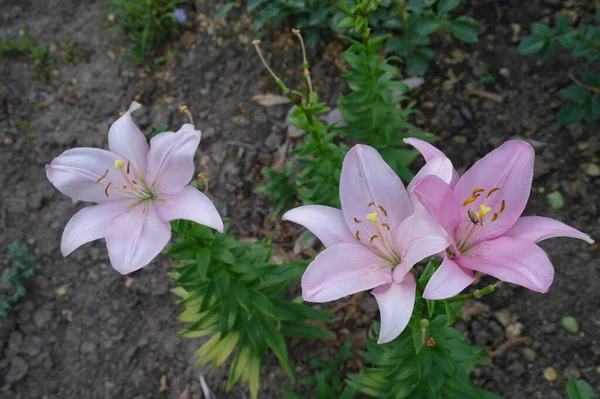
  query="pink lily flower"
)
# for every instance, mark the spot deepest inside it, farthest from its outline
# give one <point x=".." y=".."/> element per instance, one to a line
<point x="482" y="212"/>
<point x="138" y="189"/>
<point x="372" y="242"/>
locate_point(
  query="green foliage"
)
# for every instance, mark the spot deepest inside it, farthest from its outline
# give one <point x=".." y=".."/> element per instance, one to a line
<point x="42" y="60"/>
<point x="234" y="294"/>
<point x="583" y="96"/>
<point x="329" y="377"/>
<point x="23" y="267"/>
<point x="487" y="78"/>
<point x="147" y="23"/>
<point x="579" y="389"/>
<point x="377" y="108"/>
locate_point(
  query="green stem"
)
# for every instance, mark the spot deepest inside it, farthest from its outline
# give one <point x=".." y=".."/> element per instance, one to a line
<point x="475" y="294"/>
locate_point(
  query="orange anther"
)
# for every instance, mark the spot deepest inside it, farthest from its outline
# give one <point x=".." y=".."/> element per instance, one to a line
<point x="502" y="206"/>
<point x="382" y="209"/>
<point x="357" y="221"/>
<point x="493" y="190"/>
<point x="470" y="199"/>
<point x="106" y="188"/>
<point x="478" y="190"/>
<point x="103" y="176"/>
<point x="371" y="203"/>
<point x="387" y="226"/>
<point x="374" y="237"/>
<point x="357" y="237"/>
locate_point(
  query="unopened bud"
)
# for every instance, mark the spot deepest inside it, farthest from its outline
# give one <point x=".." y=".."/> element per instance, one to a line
<point x="296" y="32"/>
<point x="424" y="324"/>
<point x="256" y="42"/>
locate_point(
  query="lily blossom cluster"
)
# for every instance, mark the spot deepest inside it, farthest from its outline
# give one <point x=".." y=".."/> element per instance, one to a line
<point x="138" y="188"/>
<point x="474" y="221"/>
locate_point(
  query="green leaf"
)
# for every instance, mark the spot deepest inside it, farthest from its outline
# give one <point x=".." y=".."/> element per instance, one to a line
<point x="223" y="11"/>
<point x="579" y="389"/>
<point x="427" y="26"/>
<point x="203" y="261"/>
<point x="531" y="45"/>
<point x="598" y="15"/>
<point x="222" y="283"/>
<point x="238" y="365"/>
<point x="449" y="313"/>
<point x="555" y="200"/>
<point x="543" y="30"/>
<point x="417" y="64"/>
<point x="591" y="79"/>
<point x="464" y="28"/>
<point x="430" y="307"/>
<point x="570" y="324"/>
<point x="304" y="330"/>
<point x="592" y="111"/>
<point x="261" y="303"/>
<point x="576" y="93"/>
<point x="445" y="6"/>
<point x="569" y="113"/>
<point x="561" y="23"/>
<point x="224" y="255"/>
<point x="275" y="341"/>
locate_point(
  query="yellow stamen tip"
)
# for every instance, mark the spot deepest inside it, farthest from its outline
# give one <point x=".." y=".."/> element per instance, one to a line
<point x="119" y="164"/>
<point x="373" y="217"/>
<point x="484" y="210"/>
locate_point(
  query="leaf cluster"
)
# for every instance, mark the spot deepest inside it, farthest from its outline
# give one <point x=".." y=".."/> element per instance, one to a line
<point x="23" y="267"/>
<point x="579" y="389"/>
<point x="584" y="41"/>
<point x="147" y="23"/>
<point x="25" y="45"/>
<point x="233" y="293"/>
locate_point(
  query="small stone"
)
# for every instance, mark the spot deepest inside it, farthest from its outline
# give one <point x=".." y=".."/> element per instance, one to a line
<point x="504" y="317"/>
<point x="548" y="328"/>
<point x="41" y="317"/>
<point x="61" y="291"/>
<point x="163" y="384"/>
<point x="460" y="139"/>
<point x="129" y="282"/>
<point x="571" y="372"/>
<point x="517" y="369"/>
<point x="505" y="72"/>
<point x="591" y="169"/>
<point x="514" y="330"/>
<point x="88" y="347"/>
<point x="210" y="76"/>
<point x="529" y="354"/>
<point x="31" y="346"/>
<point x="550" y="374"/>
<point x="18" y="369"/>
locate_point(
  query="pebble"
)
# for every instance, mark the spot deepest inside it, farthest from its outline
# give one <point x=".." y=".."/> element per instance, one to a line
<point x="514" y="330"/>
<point x="550" y="374"/>
<point x="88" y="347"/>
<point x="505" y="72"/>
<point x="18" y="369"/>
<point x="529" y="354"/>
<point x="548" y="328"/>
<point x="31" y="346"/>
<point x="591" y="169"/>
<point x="517" y="369"/>
<point x="571" y="372"/>
<point x="41" y="317"/>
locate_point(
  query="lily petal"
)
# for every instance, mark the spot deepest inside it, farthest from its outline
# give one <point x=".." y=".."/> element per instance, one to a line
<point x="448" y="280"/>
<point x="419" y="236"/>
<point x="325" y="222"/>
<point x="190" y="204"/>
<point x="90" y="224"/>
<point x="78" y="173"/>
<point x="430" y="153"/>
<point x="342" y="270"/>
<point x="367" y="185"/>
<point x="171" y="159"/>
<point x="135" y="238"/>
<point x="127" y="140"/>
<point x="440" y="167"/>
<point x="538" y="228"/>
<point x="514" y="261"/>
<point x="396" y="302"/>
<point x="438" y="198"/>
<point x="509" y="168"/>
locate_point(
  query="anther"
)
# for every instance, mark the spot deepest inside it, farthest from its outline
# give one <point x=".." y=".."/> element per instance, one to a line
<point x="128" y="166"/>
<point x="357" y="237"/>
<point x="495" y="217"/>
<point x="124" y="187"/>
<point x="372" y="238"/>
<point x="382" y="210"/>
<point x="493" y="190"/>
<point x="470" y="199"/>
<point x="502" y="206"/>
<point x="478" y="190"/>
<point x="356" y="220"/>
<point x="103" y="176"/>
<point x="106" y="188"/>
<point x="134" y="182"/>
<point x="371" y="203"/>
<point x="387" y="226"/>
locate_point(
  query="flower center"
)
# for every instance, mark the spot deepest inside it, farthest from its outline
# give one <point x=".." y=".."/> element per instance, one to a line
<point x="131" y="188"/>
<point x="378" y="235"/>
<point x="477" y="217"/>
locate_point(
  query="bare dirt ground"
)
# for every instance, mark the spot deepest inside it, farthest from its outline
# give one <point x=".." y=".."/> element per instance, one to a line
<point x="102" y="336"/>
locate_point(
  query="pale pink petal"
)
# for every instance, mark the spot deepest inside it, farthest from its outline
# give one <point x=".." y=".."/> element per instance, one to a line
<point x="514" y="261"/>
<point x="367" y="185"/>
<point x="325" y="222"/>
<point x="396" y="302"/>
<point x="76" y="172"/>
<point x="136" y="237"/>
<point x="448" y="280"/>
<point x="126" y="140"/>
<point x="90" y="224"/>
<point x="538" y="228"/>
<point x="510" y="168"/>
<point x="189" y="204"/>
<point x="440" y="167"/>
<point x="419" y="236"/>
<point x="438" y="198"/>
<point x="428" y="151"/>
<point x="171" y="159"/>
<point x="342" y="270"/>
